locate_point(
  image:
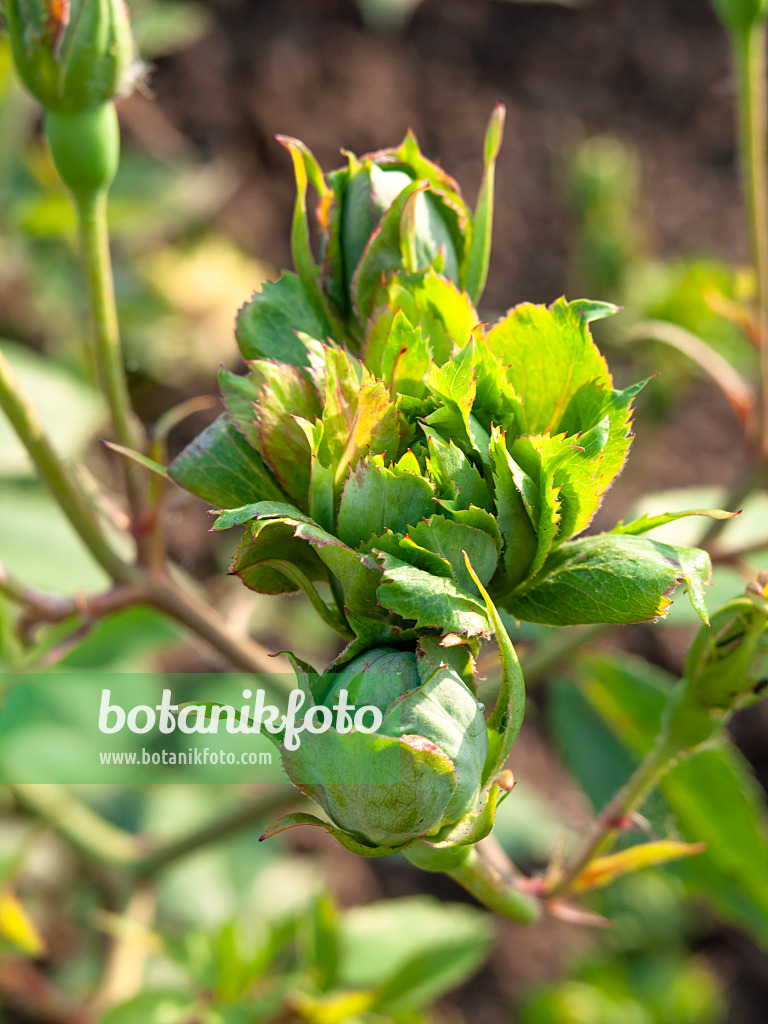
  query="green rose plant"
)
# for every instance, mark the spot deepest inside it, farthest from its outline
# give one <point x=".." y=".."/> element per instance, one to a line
<point x="416" y="473"/>
<point x="420" y="475"/>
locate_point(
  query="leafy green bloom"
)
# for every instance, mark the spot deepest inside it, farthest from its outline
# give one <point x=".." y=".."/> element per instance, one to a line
<point x="72" y="55"/>
<point x="372" y="463"/>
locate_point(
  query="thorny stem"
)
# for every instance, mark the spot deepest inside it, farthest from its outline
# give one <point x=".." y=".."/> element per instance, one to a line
<point x="750" y="59"/>
<point x="94" y="234"/>
<point x="609" y="824"/>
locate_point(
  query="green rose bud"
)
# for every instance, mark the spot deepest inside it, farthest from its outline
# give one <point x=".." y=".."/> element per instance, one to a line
<point x="419" y="772"/>
<point x="72" y="55"/>
<point x="740" y="15"/>
<point x="726" y="670"/>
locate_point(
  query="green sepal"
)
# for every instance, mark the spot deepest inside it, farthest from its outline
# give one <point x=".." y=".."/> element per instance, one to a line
<point x="479" y="252"/>
<point x="507" y="716"/>
<point x="347" y="841"/>
<point x="385" y="790"/>
<point x="646" y="522"/>
<point x="383" y="251"/>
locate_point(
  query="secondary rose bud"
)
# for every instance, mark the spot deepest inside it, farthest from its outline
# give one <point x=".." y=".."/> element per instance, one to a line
<point x="419" y="772"/>
<point x="72" y="55"/>
<point x="726" y="670"/>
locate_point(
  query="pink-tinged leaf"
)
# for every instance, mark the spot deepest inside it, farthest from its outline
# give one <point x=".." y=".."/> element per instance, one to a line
<point x="375" y="428"/>
<point x="604" y="870"/>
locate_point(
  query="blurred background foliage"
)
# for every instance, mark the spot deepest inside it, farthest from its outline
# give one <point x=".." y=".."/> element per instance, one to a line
<point x="617" y="180"/>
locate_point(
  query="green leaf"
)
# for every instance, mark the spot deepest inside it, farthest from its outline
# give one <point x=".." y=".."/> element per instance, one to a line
<point x="514" y="519"/>
<point x="430" y="301"/>
<point x="267" y="325"/>
<point x="550" y="355"/>
<point x="406" y="358"/>
<point x="376" y="498"/>
<point x="220" y="467"/>
<point x="269" y="539"/>
<point x="609" y="578"/>
<point x="431" y="601"/>
<point x="343" y="376"/>
<point x="450" y="539"/>
<point x="307" y="170"/>
<point x="375" y="428"/>
<point x="739" y="16"/>
<point x="346" y="840"/>
<point x="712" y="792"/>
<point x="407" y="550"/>
<point x="590" y="310"/>
<point x="479" y="252"/>
<point x="454" y="475"/>
<point x="383" y="253"/>
<point x="453" y="383"/>
<point x="450" y="217"/>
<point x="413" y="950"/>
<point x="263" y="406"/>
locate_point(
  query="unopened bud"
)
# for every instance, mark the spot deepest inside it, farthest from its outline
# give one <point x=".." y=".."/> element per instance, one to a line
<point x="72" y="55"/>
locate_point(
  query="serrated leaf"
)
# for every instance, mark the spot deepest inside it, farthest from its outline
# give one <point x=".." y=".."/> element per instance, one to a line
<point x="609" y="578"/>
<point x="455" y="477"/>
<point x="263" y="406"/>
<point x="549" y="354"/>
<point x="450" y="539"/>
<point x="358" y="574"/>
<point x="376" y="498"/>
<point x="406" y="359"/>
<point x="267" y="326"/>
<point x="515" y="522"/>
<point x="407" y="550"/>
<point x="432" y="602"/>
<point x="343" y="374"/>
<point x="430" y="301"/>
<point x="220" y="467"/>
<point x="375" y="428"/>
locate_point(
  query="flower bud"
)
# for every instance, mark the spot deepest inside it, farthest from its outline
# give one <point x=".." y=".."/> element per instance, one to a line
<point x="419" y="772"/>
<point x="726" y="670"/>
<point x="72" y="55"/>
